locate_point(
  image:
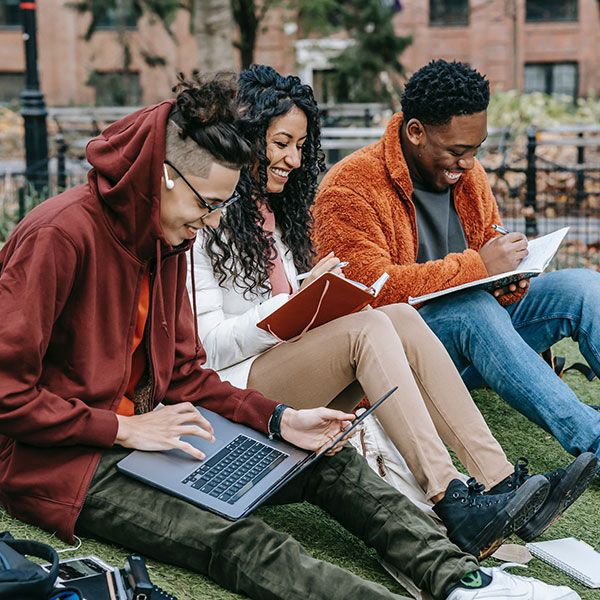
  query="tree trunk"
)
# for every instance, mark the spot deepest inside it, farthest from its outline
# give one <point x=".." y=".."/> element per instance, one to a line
<point x="244" y="13"/>
<point x="213" y="29"/>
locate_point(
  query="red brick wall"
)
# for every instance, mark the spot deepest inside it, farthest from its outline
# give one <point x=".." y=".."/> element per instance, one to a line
<point x="66" y="60"/>
<point x="488" y="41"/>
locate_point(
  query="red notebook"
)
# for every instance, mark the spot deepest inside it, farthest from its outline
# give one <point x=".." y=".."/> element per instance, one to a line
<point x="325" y="299"/>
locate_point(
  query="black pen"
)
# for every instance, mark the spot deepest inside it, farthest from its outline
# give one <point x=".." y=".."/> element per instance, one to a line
<point x="500" y="229"/>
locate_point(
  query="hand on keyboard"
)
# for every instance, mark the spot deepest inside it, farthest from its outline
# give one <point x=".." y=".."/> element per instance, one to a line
<point x="162" y="428"/>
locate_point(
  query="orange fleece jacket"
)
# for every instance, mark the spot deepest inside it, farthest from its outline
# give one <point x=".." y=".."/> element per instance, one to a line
<point x="364" y="212"/>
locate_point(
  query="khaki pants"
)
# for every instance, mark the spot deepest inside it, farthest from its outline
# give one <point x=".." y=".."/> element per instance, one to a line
<point x="374" y="350"/>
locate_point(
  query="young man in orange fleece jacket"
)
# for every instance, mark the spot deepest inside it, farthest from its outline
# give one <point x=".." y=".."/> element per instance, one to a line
<point x="418" y="205"/>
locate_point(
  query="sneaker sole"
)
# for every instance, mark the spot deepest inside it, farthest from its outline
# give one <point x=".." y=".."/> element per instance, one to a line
<point x="524" y="505"/>
<point x="581" y="473"/>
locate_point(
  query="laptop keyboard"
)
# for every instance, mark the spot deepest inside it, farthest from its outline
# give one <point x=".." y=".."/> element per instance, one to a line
<point x="235" y="469"/>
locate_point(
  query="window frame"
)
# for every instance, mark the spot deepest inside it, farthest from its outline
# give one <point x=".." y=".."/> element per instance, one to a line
<point x="529" y="19"/>
<point x="549" y="76"/>
<point x="438" y="23"/>
<point x="118" y="18"/>
<point x="12" y="26"/>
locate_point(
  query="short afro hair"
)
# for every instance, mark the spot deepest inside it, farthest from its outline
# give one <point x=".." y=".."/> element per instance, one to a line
<point x="442" y="90"/>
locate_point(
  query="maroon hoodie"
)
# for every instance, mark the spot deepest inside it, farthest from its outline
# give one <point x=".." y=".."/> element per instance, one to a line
<point x="69" y="288"/>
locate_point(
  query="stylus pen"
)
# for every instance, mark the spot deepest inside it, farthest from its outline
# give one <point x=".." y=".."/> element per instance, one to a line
<point x="500" y="229"/>
<point x="340" y="265"/>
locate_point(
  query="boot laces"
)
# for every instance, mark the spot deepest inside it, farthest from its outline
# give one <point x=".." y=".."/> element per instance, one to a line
<point x="475" y="495"/>
<point x="474" y="487"/>
<point x="521" y="472"/>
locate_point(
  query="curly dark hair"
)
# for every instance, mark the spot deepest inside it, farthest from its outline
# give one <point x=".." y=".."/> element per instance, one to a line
<point x="206" y="111"/>
<point x="441" y="90"/>
<point x="239" y="246"/>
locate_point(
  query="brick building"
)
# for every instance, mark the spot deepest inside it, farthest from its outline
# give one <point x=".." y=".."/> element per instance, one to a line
<point x="74" y="71"/>
<point x="531" y="45"/>
<point x="551" y="46"/>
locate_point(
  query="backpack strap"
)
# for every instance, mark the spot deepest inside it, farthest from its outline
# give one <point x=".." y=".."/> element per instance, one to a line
<point x="22" y="578"/>
<point x="558" y="364"/>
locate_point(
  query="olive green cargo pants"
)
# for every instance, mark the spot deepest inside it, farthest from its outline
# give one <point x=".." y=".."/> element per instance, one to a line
<point x="249" y="557"/>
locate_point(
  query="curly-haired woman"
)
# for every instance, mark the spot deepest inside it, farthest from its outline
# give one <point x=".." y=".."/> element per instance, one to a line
<point x="247" y="267"/>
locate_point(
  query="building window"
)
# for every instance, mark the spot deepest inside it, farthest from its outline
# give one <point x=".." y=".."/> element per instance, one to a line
<point x="10" y="14"/>
<point x="551" y="78"/>
<point x="11" y="86"/>
<point x="449" y="13"/>
<point x="550" y="10"/>
<point x="119" y="16"/>
<point x="116" y="88"/>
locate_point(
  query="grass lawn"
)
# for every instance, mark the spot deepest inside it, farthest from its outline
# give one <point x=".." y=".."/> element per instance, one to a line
<point x="327" y="540"/>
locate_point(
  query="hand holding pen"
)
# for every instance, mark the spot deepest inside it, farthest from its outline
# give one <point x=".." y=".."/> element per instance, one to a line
<point x="499" y="229"/>
<point x="339" y="265"/>
<point x="504" y="253"/>
<point x="328" y="264"/>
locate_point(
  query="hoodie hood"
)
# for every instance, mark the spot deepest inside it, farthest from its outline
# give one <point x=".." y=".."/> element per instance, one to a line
<point x="127" y="159"/>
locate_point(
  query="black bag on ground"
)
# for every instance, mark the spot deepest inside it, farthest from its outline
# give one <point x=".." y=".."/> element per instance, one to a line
<point x="21" y="578"/>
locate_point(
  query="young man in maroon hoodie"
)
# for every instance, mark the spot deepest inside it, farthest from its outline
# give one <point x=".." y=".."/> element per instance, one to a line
<point x="96" y="330"/>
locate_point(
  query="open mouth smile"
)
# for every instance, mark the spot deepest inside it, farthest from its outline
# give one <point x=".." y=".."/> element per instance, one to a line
<point x="280" y="172"/>
<point x="452" y="176"/>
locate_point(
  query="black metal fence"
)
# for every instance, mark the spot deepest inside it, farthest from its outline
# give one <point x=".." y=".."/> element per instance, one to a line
<point x="18" y="196"/>
<point x="548" y="179"/>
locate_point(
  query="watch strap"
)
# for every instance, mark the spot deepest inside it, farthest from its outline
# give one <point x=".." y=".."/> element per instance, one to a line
<point x="274" y="425"/>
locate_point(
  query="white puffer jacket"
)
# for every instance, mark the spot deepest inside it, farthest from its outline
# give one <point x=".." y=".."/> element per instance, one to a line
<point x="227" y="319"/>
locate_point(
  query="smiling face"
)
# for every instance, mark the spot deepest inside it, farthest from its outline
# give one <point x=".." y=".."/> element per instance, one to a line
<point x="437" y="155"/>
<point x="284" y="138"/>
<point x="181" y="213"/>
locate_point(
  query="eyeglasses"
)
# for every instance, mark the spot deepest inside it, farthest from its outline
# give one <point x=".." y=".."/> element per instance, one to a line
<point x="210" y="206"/>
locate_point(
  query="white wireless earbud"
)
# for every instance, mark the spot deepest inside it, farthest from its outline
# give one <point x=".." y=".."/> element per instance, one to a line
<point x="169" y="183"/>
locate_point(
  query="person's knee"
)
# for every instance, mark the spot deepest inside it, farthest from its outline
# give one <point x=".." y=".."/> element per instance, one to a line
<point x="404" y="314"/>
<point x="371" y="322"/>
<point x="407" y="322"/>
<point x="580" y="284"/>
<point x="572" y="293"/>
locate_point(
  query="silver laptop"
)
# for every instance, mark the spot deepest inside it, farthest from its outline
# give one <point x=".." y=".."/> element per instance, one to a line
<point x="241" y="469"/>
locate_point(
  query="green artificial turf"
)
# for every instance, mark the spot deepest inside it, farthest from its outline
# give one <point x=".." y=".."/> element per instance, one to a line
<point x="325" y="539"/>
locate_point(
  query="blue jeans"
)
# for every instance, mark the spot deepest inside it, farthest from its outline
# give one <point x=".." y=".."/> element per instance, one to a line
<point x="500" y="346"/>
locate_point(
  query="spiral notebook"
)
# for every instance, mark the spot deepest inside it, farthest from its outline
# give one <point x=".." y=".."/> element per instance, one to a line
<point x="572" y="556"/>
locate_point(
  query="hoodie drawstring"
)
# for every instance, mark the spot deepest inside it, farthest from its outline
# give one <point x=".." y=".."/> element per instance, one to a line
<point x="194" y="309"/>
<point x="159" y="291"/>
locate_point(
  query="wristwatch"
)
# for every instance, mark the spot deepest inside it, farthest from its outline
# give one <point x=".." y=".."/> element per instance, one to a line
<point x="274" y="425"/>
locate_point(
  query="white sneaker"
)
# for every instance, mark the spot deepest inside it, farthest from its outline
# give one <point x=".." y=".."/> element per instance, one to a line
<point x="504" y="585"/>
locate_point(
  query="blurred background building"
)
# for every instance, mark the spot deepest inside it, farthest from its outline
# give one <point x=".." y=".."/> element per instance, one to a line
<point x="529" y="45"/>
<point x="549" y="46"/>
